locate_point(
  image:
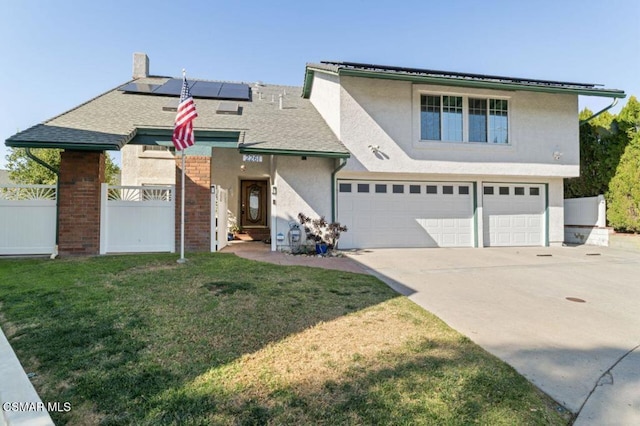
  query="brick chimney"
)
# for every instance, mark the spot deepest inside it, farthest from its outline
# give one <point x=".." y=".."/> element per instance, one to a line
<point x="140" y="65"/>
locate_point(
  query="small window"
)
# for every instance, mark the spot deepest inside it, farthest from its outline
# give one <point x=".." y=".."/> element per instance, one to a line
<point x="381" y="188"/>
<point x="518" y="190"/>
<point x="432" y="189"/>
<point x="398" y="189"/>
<point x="345" y="187"/>
<point x="534" y="191"/>
<point x="414" y="189"/>
<point x="363" y="187"/>
<point x="504" y="190"/>
<point x="447" y="189"/>
<point x="463" y="190"/>
<point x="488" y="190"/>
<point x="160" y="148"/>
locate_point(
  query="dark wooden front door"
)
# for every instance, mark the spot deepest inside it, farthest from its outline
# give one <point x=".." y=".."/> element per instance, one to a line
<point x="253" y="203"/>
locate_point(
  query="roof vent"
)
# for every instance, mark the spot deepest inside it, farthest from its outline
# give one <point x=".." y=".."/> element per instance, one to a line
<point x="226" y="107"/>
<point x="171" y="105"/>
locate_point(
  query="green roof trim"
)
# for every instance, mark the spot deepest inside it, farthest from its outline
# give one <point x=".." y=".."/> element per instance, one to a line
<point x="291" y="152"/>
<point x="209" y="138"/>
<point x="443" y="80"/>
<point x="48" y="136"/>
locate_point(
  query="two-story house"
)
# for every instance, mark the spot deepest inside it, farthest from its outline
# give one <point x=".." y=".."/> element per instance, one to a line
<point x="402" y="157"/>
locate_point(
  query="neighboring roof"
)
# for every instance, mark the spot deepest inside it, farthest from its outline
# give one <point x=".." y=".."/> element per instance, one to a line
<point x="115" y="118"/>
<point x="450" y="78"/>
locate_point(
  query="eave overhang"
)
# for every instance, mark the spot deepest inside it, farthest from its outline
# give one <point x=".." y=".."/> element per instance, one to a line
<point x="489" y="83"/>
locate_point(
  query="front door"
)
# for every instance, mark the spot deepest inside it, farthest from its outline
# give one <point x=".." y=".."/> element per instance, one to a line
<point x="253" y="203"/>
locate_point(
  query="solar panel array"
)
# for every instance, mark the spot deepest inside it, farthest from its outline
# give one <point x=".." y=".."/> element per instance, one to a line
<point x="199" y="89"/>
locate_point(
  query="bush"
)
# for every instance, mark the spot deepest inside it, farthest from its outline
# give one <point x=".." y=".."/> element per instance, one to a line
<point x="320" y="231"/>
<point x="623" y="197"/>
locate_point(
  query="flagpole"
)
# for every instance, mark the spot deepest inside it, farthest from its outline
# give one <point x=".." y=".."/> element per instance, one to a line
<point x="183" y="138"/>
<point x="182" y="259"/>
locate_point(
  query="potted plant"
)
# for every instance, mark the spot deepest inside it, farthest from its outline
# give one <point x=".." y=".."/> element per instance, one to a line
<point x="323" y="234"/>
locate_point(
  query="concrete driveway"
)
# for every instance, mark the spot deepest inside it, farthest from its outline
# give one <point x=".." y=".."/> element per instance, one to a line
<point x="515" y="303"/>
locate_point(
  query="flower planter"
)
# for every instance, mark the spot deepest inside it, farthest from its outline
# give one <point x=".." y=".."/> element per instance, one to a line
<point x="321" y="249"/>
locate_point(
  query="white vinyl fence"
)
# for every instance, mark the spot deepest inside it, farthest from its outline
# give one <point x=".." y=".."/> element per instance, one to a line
<point x="137" y="219"/>
<point x="219" y="220"/>
<point x="585" y="221"/>
<point x="27" y="219"/>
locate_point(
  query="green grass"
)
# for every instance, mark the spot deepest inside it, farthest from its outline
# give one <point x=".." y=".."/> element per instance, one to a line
<point x="223" y="340"/>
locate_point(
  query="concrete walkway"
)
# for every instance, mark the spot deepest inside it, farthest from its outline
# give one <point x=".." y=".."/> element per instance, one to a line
<point x="256" y="250"/>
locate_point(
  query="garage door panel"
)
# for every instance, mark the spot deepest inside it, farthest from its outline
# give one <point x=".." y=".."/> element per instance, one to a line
<point x="407" y="219"/>
<point x="513" y="219"/>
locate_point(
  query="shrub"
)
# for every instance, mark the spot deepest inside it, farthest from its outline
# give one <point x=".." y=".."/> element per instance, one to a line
<point x="623" y="197"/>
<point x="320" y="231"/>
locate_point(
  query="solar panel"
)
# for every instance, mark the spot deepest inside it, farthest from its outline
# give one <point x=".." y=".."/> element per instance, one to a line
<point x="199" y="89"/>
<point x="206" y="89"/>
<point x="171" y="87"/>
<point x="235" y="91"/>
<point x="139" y="87"/>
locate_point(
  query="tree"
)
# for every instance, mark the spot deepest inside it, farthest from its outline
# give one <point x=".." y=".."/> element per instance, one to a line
<point x="24" y="170"/>
<point x="602" y="142"/>
<point x="623" y="198"/>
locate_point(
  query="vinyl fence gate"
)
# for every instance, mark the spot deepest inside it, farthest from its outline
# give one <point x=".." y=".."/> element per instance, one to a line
<point x="136" y="219"/>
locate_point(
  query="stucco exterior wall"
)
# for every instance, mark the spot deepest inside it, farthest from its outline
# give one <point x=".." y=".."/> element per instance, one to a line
<point x="302" y="186"/>
<point x="141" y="167"/>
<point x="226" y="171"/>
<point x="556" y="212"/>
<point x="325" y="97"/>
<point x="385" y="114"/>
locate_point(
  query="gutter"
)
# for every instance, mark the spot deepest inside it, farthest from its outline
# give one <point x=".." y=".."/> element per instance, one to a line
<point x="57" y="173"/>
<point x="615" y="101"/>
<point x="343" y="162"/>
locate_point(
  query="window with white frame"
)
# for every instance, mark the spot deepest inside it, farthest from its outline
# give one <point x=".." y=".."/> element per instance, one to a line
<point x="464" y="119"/>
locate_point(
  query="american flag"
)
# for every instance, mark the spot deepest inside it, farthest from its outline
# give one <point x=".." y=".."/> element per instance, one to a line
<point x="183" y="128"/>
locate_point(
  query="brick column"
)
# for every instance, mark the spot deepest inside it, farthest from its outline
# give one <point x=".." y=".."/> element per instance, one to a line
<point x="197" y="208"/>
<point x="81" y="173"/>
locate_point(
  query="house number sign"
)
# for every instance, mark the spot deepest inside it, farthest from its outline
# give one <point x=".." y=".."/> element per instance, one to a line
<point x="252" y="158"/>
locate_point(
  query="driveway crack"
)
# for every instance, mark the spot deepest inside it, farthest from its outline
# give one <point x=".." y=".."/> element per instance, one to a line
<point x="605" y="379"/>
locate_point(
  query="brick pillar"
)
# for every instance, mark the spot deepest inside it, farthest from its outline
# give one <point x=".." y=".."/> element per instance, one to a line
<point x="197" y="207"/>
<point x="81" y="173"/>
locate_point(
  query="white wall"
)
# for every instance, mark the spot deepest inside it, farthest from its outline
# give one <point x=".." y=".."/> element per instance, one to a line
<point x="385" y="113"/>
<point x="556" y="212"/>
<point x="325" y="97"/>
<point x="586" y="211"/>
<point x="303" y="186"/>
<point x="141" y="167"/>
<point x="226" y="171"/>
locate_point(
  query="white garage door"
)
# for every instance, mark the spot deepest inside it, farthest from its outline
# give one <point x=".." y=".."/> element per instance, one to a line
<point x="405" y="214"/>
<point x="513" y="214"/>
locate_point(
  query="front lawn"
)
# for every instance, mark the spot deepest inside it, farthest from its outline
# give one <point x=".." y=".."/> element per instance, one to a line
<point x="223" y="340"/>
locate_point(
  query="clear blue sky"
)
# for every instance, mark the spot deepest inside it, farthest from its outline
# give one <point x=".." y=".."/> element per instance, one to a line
<point x="58" y="54"/>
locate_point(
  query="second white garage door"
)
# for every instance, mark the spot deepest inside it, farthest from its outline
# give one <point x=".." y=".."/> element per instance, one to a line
<point x="405" y="214"/>
<point x="513" y="214"/>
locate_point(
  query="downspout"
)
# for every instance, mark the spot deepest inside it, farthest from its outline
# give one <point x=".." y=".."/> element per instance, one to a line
<point x="615" y="101"/>
<point x="57" y="173"/>
<point x="343" y="162"/>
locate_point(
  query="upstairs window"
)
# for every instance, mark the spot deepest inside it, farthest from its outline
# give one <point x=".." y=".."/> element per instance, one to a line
<point x="441" y="117"/>
<point x="462" y="119"/>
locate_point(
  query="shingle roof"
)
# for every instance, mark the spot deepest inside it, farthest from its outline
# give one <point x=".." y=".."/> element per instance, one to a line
<point x="110" y="120"/>
<point x="456" y="79"/>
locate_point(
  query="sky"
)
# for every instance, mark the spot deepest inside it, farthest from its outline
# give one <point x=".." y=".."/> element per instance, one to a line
<point x="57" y="54"/>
